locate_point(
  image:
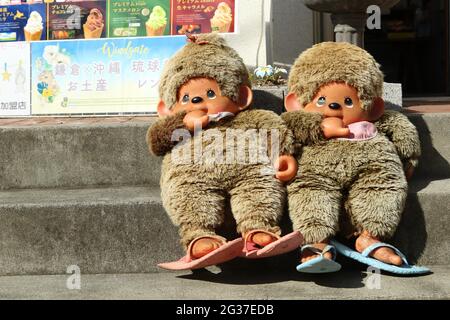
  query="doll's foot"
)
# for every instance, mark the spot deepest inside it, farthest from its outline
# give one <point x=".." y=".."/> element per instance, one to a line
<point x="262" y="239"/>
<point x="308" y="254"/>
<point x="386" y="255"/>
<point x="204" y="246"/>
<point x="261" y="243"/>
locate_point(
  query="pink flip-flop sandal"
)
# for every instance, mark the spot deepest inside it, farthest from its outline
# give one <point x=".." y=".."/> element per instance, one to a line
<point x="228" y="251"/>
<point x="284" y="244"/>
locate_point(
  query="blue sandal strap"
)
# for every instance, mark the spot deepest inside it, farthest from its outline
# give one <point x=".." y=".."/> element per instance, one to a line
<point x="311" y="248"/>
<point x="367" y="251"/>
<point x="328" y="248"/>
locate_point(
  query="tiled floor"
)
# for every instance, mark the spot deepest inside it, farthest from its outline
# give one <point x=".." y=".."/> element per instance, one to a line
<point x="410" y="107"/>
<point x="28" y="121"/>
<point x="424" y="108"/>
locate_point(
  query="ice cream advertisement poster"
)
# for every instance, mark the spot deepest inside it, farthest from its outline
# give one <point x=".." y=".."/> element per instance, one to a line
<point x="203" y="16"/>
<point x="138" y="18"/>
<point x="77" y="20"/>
<point x="14" y="79"/>
<point x="23" y="22"/>
<point x="105" y="76"/>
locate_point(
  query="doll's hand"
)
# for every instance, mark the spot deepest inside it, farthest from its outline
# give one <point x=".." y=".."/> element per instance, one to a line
<point x="409" y="171"/>
<point x="286" y="168"/>
<point x="197" y="118"/>
<point x="333" y="127"/>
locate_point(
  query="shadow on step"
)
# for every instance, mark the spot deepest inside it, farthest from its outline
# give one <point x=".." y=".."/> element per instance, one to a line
<point x="278" y="269"/>
<point x="432" y="165"/>
<point x="412" y="236"/>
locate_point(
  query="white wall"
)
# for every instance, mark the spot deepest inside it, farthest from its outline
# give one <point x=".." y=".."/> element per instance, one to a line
<point x="251" y="18"/>
<point x="292" y="30"/>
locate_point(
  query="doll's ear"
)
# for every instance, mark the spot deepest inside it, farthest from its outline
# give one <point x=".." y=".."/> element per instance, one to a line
<point x="291" y="102"/>
<point x="163" y="111"/>
<point x="245" y="97"/>
<point x="377" y="109"/>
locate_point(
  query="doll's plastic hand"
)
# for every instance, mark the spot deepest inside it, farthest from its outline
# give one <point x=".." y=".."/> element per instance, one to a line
<point x="196" y="117"/>
<point x="333" y="127"/>
<point x="409" y="171"/>
<point x="286" y="168"/>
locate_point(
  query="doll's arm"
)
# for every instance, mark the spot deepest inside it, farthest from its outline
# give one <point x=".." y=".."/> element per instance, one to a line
<point x="270" y="121"/>
<point x="306" y="126"/>
<point x="159" y="135"/>
<point x="403" y="134"/>
<point x="285" y="164"/>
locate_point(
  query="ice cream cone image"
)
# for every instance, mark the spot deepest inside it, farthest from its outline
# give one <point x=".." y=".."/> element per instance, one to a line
<point x="220" y="27"/>
<point x="33" y="28"/>
<point x="222" y="19"/>
<point x="155" y="32"/>
<point x="32" y="36"/>
<point x="156" y="24"/>
<point x="94" y="25"/>
<point x="92" y="34"/>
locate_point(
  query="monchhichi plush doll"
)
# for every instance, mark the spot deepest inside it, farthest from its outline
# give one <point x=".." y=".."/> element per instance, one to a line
<point x="352" y="159"/>
<point x="222" y="159"/>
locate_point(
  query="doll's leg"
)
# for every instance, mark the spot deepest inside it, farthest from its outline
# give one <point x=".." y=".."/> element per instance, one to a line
<point x="315" y="213"/>
<point x="257" y="203"/>
<point x="197" y="209"/>
<point x="375" y="206"/>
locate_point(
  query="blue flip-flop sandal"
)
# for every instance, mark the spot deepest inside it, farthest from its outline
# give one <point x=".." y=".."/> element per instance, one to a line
<point x="364" y="258"/>
<point x="319" y="264"/>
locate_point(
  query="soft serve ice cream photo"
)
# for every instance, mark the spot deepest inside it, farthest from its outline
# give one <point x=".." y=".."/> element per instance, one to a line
<point x="156" y="23"/>
<point x="77" y="20"/>
<point x="222" y="19"/>
<point x="209" y="16"/>
<point x="33" y="28"/>
<point x="143" y="18"/>
<point x="94" y="25"/>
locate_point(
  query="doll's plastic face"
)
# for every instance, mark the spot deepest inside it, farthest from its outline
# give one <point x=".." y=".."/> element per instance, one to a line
<point x="204" y="94"/>
<point x="340" y="100"/>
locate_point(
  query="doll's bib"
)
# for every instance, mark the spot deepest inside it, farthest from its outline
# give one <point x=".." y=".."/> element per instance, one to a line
<point x="218" y="116"/>
<point x="360" y="131"/>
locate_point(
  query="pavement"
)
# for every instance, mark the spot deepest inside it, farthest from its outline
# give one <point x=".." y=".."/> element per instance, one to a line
<point x="214" y="284"/>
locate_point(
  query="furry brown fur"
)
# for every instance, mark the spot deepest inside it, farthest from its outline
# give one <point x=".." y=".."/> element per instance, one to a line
<point x="195" y="194"/>
<point x="214" y="60"/>
<point x="362" y="182"/>
<point x="336" y="61"/>
<point x="160" y="141"/>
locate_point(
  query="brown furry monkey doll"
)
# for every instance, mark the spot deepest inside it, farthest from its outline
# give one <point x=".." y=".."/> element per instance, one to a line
<point x="205" y="95"/>
<point x="352" y="157"/>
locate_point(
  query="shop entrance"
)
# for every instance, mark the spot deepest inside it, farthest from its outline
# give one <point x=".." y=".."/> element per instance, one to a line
<point x="412" y="47"/>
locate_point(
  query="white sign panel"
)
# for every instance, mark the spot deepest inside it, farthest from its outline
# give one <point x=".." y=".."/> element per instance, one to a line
<point x="15" y="79"/>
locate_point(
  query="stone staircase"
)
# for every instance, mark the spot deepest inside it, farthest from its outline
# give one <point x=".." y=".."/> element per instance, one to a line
<point x="85" y="192"/>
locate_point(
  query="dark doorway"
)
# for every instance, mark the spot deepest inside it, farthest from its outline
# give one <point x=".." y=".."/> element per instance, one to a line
<point x="412" y="46"/>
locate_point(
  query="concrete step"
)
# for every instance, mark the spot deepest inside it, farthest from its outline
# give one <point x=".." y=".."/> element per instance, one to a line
<point x="103" y="153"/>
<point x="76" y="154"/>
<point x="434" y="131"/>
<point x="126" y="230"/>
<point x="103" y="230"/>
<point x="347" y="284"/>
